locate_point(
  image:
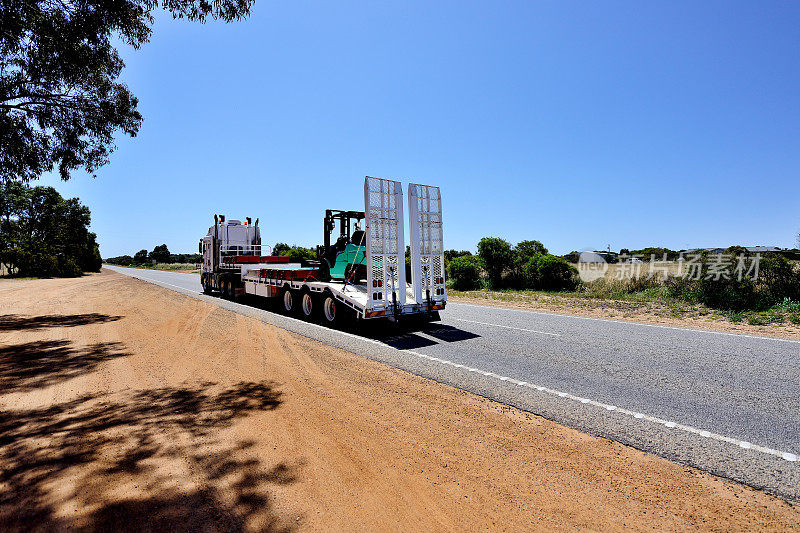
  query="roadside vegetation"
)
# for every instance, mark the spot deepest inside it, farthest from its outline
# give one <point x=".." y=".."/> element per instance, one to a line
<point x="43" y="234"/>
<point x="528" y="274"/>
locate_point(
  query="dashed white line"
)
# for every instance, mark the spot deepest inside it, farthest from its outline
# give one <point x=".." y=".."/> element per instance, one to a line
<point x="507" y="327"/>
<point x="629" y="322"/>
<point x="640" y="416"/>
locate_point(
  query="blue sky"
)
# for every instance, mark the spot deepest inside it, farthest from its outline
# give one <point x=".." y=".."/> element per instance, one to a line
<point x="580" y="124"/>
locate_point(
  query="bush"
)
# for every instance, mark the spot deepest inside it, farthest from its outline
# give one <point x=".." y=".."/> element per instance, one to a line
<point x="729" y="294"/>
<point x="497" y="257"/>
<point x="464" y="272"/>
<point x="778" y="280"/>
<point x="549" y="273"/>
<point x="68" y="268"/>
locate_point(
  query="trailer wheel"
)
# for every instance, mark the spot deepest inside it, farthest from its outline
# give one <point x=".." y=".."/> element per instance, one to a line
<point x="288" y="302"/>
<point x="225" y="290"/>
<point x="307" y="305"/>
<point x="334" y="314"/>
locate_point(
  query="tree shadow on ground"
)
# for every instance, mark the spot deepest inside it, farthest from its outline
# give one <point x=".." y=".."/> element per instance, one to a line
<point x="31" y="365"/>
<point x="21" y="322"/>
<point x="149" y="460"/>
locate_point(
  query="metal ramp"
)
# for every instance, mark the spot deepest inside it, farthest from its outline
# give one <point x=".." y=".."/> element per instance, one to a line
<point x="427" y="248"/>
<point x="386" y="265"/>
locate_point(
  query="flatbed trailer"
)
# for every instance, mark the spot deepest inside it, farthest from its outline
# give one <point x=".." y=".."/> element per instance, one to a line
<point x="235" y="267"/>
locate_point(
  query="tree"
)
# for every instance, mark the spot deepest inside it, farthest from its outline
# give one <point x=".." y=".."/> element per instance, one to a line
<point x="280" y="248"/>
<point x="42" y="234"/>
<point x="123" y="260"/>
<point x="160" y="254"/>
<point x="527" y="249"/>
<point x="140" y="257"/>
<point x="464" y="272"/>
<point x="298" y="253"/>
<point x="497" y="256"/>
<point x="61" y="99"/>
<point x="449" y="255"/>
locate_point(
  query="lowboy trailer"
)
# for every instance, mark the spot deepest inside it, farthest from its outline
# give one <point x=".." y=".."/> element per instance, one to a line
<point x="360" y="276"/>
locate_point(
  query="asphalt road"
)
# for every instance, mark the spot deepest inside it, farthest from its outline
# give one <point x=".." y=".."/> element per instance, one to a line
<point x="725" y="403"/>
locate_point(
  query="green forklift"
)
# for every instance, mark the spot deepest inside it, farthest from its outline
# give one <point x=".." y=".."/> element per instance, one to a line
<point x="345" y="259"/>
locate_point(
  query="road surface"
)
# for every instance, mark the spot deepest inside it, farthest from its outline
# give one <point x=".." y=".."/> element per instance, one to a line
<point x="725" y="403"/>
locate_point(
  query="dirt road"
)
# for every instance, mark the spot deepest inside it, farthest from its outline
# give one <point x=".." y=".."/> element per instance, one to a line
<point x="126" y="406"/>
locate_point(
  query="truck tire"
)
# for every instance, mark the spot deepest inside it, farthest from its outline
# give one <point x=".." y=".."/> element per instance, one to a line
<point x="287" y="302"/>
<point x="206" y="285"/>
<point x="334" y="314"/>
<point x="308" y="305"/>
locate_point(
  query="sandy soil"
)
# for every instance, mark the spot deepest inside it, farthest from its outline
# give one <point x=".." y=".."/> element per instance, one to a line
<point x="126" y="406"/>
<point x="634" y="312"/>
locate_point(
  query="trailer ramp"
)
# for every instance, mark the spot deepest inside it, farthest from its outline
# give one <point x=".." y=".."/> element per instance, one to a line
<point x="427" y="248"/>
<point x="386" y="265"/>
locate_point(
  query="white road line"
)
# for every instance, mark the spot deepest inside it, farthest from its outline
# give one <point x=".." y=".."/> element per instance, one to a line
<point x="694" y="330"/>
<point x="507" y="327"/>
<point x="640" y="416"/>
<point x="787" y="456"/>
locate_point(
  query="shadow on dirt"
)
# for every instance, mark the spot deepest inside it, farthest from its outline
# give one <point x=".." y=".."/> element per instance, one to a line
<point x="148" y="460"/>
<point x="31" y="365"/>
<point x="21" y="322"/>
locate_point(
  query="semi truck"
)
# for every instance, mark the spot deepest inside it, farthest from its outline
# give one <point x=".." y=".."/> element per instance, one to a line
<point x="358" y="276"/>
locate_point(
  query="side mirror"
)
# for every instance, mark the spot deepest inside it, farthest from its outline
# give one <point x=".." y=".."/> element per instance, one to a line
<point x="200" y="248"/>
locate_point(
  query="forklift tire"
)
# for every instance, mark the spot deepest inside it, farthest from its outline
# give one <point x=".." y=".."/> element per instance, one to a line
<point x="308" y="305"/>
<point x="287" y="302"/>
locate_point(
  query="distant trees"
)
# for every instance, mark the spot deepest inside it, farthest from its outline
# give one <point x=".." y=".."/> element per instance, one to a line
<point x="160" y="254"/>
<point x="297" y="253"/>
<point x="497" y="257"/>
<point x="280" y="248"/>
<point x="528" y="265"/>
<point x="43" y="234"/>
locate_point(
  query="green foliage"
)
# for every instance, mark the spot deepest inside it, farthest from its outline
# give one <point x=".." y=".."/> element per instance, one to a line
<point x="549" y="273"/>
<point x="647" y="253"/>
<point x="572" y="257"/>
<point x="160" y="254"/>
<point x="298" y="254"/>
<point x="280" y="248"/>
<point x="43" y="234"/>
<point x="729" y="294"/>
<point x="449" y="255"/>
<point x="527" y="249"/>
<point x="464" y="272"/>
<point x="140" y="257"/>
<point x="122" y="260"/>
<point x="61" y="100"/>
<point x="185" y="258"/>
<point x="497" y="256"/>
<point x="778" y="279"/>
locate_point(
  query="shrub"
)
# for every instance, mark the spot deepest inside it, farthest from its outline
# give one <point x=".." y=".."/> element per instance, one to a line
<point x="464" y="272"/>
<point x="497" y="256"/>
<point x="730" y="294"/>
<point x="549" y="273"/>
<point x="68" y="268"/>
<point x="777" y="280"/>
